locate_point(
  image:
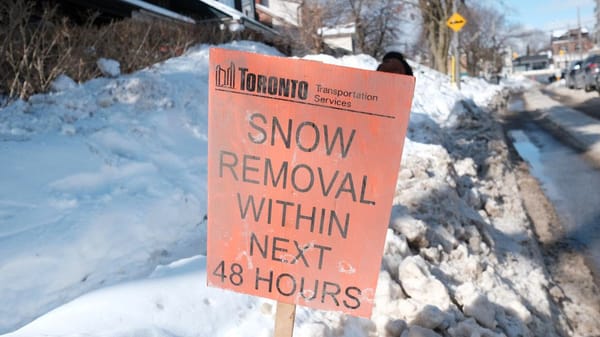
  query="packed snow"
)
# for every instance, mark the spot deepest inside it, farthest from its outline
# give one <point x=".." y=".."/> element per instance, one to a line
<point x="103" y="217"/>
<point x="109" y="67"/>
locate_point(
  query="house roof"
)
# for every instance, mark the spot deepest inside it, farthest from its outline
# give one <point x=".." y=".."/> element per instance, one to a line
<point x="531" y="58"/>
<point x="344" y="30"/>
<point x="568" y="33"/>
<point x="189" y="11"/>
<point x="239" y="16"/>
<point x="159" y="10"/>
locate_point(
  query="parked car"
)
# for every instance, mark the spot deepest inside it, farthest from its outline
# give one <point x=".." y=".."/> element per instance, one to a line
<point x="598" y="83"/>
<point x="574" y="67"/>
<point x="586" y="77"/>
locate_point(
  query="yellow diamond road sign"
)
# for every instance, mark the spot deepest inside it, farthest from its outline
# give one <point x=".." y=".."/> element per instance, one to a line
<point x="456" y="22"/>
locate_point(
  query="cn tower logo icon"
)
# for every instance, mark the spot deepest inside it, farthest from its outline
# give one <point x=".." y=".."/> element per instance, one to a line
<point x="225" y="77"/>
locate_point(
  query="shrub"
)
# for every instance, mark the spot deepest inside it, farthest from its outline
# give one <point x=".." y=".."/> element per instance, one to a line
<point x="39" y="44"/>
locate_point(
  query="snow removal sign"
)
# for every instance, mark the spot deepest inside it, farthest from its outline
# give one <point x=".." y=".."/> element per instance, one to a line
<point x="302" y="167"/>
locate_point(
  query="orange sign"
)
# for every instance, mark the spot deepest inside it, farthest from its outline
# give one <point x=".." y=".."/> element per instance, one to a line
<point x="302" y="168"/>
<point x="456" y="22"/>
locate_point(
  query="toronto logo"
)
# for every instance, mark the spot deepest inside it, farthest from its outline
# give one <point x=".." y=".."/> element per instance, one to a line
<point x="261" y="84"/>
<point x="225" y="77"/>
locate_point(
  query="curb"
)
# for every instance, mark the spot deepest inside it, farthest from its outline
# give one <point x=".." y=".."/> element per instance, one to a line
<point x="579" y="130"/>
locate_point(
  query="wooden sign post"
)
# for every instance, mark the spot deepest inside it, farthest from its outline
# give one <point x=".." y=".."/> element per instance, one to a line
<point x="302" y="167"/>
<point x="284" y="319"/>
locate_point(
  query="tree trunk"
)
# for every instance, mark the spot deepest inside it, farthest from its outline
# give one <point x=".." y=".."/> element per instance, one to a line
<point x="435" y="13"/>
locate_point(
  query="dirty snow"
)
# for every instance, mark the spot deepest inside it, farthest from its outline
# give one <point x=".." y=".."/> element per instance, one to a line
<point x="103" y="203"/>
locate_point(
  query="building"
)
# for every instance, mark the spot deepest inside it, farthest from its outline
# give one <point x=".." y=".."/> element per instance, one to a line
<point x="570" y="45"/>
<point x="286" y="15"/>
<point x="278" y="13"/>
<point x="233" y="14"/>
<point x="340" y="37"/>
<point x="531" y="62"/>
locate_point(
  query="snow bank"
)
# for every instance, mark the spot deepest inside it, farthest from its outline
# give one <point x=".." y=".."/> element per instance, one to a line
<point x="109" y="67"/>
<point x="518" y="83"/>
<point x="117" y="213"/>
<point x="104" y="182"/>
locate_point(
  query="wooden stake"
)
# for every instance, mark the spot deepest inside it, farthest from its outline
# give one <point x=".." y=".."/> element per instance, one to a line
<point x="284" y="320"/>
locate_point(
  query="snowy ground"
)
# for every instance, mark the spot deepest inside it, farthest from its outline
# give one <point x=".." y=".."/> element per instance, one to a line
<point x="103" y="203"/>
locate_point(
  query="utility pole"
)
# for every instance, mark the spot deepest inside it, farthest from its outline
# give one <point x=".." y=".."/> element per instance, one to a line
<point x="580" y="46"/>
<point x="456" y="55"/>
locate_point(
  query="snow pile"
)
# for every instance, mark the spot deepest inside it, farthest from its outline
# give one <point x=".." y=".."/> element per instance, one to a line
<point x="475" y="270"/>
<point x="103" y="183"/>
<point x="519" y="83"/>
<point x="109" y="67"/>
<point x="104" y="196"/>
<point x="62" y="83"/>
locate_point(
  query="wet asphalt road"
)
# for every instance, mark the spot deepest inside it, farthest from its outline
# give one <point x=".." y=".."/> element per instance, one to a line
<point x="570" y="182"/>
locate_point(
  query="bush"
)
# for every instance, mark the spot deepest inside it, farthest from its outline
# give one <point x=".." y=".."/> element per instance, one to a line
<point x="39" y="44"/>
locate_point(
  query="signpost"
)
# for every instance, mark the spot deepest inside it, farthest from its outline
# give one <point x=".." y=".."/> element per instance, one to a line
<point x="456" y="22"/>
<point x="302" y="168"/>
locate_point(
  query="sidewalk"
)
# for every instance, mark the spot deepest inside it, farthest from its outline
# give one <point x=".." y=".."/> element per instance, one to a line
<point x="579" y="129"/>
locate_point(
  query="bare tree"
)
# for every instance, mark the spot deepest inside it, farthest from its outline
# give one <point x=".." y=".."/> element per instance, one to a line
<point x="376" y="23"/>
<point x="483" y="39"/>
<point x="301" y="25"/>
<point x="434" y="14"/>
<point x="487" y="36"/>
<point x="528" y="41"/>
<point x="312" y="20"/>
